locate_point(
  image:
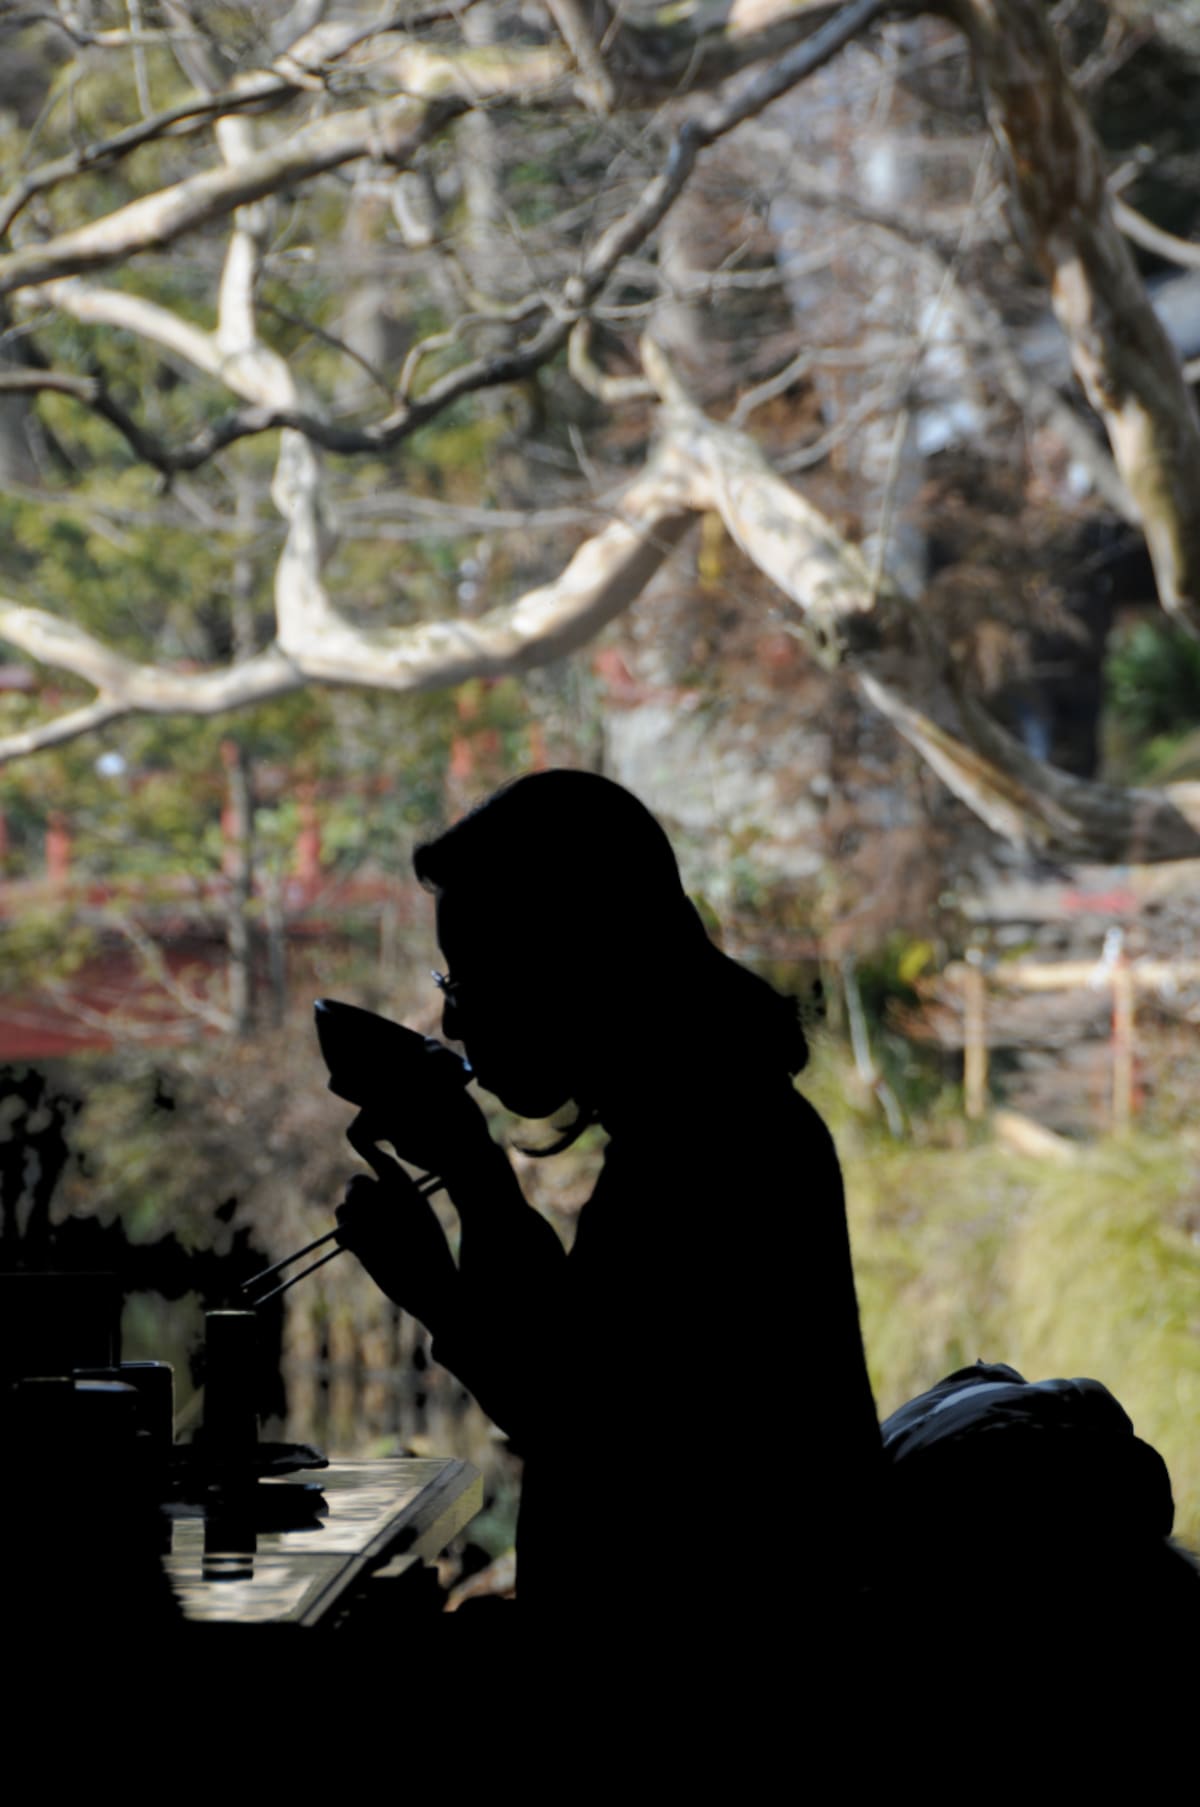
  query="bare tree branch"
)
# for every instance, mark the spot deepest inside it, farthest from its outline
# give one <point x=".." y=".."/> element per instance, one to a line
<point x="125" y="687"/>
<point x="1121" y="353"/>
<point x="697" y="45"/>
<point x="64" y="728"/>
<point x="663" y="55"/>
<point x="316" y="645"/>
<point x="392" y="132"/>
<point x="311" y="327"/>
<point x="880" y="634"/>
<point x="704" y="128"/>
<point x="268" y="409"/>
<point x="1030" y="803"/>
<point x="192" y="115"/>
<point x="266" y="412"/>
<point x="597" y="89"/>
<point x="114" y="38"/>
<point x="772" y="387"/>
<point x="91" y="391"/>
<point x="155" y="963"/>
<point x="304" y="66"/>
<point x="94" y="306"/>
<point x="587" y="373"/>
<point x="851" y="617"/>
<point x="1144" y="232"/>
<point x="986" y="329"/>
<point x="851" y="614"/>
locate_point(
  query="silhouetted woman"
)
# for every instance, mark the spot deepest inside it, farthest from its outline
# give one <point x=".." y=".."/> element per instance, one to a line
<point x="687" y="1387"/>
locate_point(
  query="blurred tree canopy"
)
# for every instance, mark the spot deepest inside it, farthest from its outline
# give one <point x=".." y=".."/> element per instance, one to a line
<point x="392" y="349"/>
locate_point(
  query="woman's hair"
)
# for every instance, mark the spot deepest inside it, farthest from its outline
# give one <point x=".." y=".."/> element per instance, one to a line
<point x="608" y="888"/>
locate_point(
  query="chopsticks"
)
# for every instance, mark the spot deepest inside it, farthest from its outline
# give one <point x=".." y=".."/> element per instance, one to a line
<point x="266" y="1273"/>
<point x="427" y="1185"/>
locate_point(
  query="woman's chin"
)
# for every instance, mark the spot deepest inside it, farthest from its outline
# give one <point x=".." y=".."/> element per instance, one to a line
<point x="534" y="1108"/>
<point x="524" y="1098"/>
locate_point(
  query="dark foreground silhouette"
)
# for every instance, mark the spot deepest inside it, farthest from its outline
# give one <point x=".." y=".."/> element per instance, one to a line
<point x="688" y="1385"/>
<point x="661" y="1380"/>
<point x="1029" y="1522"/>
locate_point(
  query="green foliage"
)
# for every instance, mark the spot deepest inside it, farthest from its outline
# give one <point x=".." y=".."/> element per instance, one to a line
<point x="146" y="591"/>
<point x="976" y="1253"/>
<point x="915" y="1071"/>
<point x="167" y="1137"/>
<point x="887" y="975"/>
<point x="457" y="444"/>
<point x="1105" y="1278"/>
<point x="1153" y="677"/>
<point x="47" y="944"/>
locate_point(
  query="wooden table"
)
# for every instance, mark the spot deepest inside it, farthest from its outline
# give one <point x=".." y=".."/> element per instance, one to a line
<point x="383" y="1516"/>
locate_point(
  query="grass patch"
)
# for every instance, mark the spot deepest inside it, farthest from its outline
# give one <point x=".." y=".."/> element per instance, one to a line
<point x="1092" y="1269"/>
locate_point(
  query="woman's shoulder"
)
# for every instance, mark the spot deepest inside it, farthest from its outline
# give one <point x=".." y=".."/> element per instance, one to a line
<point x="737" y="1127"/>
<point x="789" y="1128"/>
<point x="806" y="1120"/>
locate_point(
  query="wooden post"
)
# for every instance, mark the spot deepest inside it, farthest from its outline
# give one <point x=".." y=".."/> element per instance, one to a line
<point x="389" y="933"/>
<point x="58" y="849"/>
<point x="1122" y="1046"/>
<point x="301" y="1348"/>
<point x="345" y="1368"/>
<point x="307" y="861"/>
<point x="975" y="1061"/>
<point x="275" y="923"/>
<point x="237" y="827"/>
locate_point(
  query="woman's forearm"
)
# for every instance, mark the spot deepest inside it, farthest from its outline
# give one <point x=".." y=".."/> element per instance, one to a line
<point x="505" y="1242"/>
<point x="508" y="1357"/>
<point x="499" y="1331"/>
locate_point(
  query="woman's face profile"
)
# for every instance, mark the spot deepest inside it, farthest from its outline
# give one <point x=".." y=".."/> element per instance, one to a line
<point x="500" y="1008"/>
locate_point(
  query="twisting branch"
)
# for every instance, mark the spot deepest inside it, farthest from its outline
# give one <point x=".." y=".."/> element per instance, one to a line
<point x="1144" y="232"/>
<point x="155" y="964"/>
<point x="304" y="66"/>
<point x="1030" y="803"/>
<point x="986" y="328"/>
<point x="1120" y="350"/>
<point x="851" y="614"/>
<point x="703" y="128"/>
<point x="114" y="38"/>
<point x="771" y="387"/>
<point x="851" y="617"/>
<point x="149" y="320"/>
<point x="266" y="306"/>
<point x="125" y="687"/>
<point x="597" y="88"/>
<point x="611" y="390"/>
<point x="392" y="132"/>
<point x="314" y="644"/>
<point x="192" y="115"/>
<point x="880" y="634"/>
<point x="75" y="723"/>
<point x="92" y="392"/>
<point x="694" y="44"/>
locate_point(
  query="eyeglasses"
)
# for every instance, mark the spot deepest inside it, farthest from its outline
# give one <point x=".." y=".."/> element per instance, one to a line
<point x="448" y="987"/>
<point x="481" y="988"/>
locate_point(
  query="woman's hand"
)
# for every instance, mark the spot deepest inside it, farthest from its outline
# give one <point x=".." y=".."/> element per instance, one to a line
<point x="430" y="1120"/>
<point x="395" y="1232"/>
